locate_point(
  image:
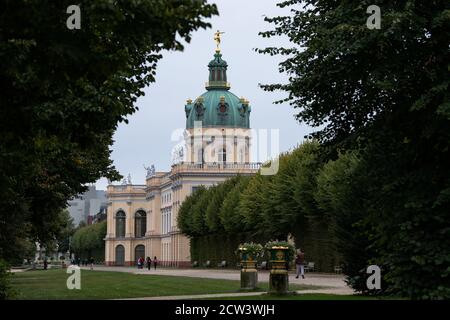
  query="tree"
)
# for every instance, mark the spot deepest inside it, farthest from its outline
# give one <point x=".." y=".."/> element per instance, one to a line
<point x="260" y="208"/>
<point x="291" y="198"/>
<point x="6" y="290"/>
<point x="62" y="228"/>
<point x="198" y="212"/>
<point x="66" y="231"/>
<point x="218" y="194"/>
<point x="89" y="239"/>
<point x="385" y="93"/>
<point x="65" y="91"/>
<point x="340" y="190"/>
<point x="229" y="214"/>
<point x="82" y="224"/>
<point x="251" y="204"/>
<point x="185" y="214"/>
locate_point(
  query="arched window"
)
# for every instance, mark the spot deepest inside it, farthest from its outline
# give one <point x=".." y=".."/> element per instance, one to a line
<point x="222" y="155"/>
<point x="140" y="224"/>
<point x="219" y="75"/>
<point x="139" y="252"/>
<point x="120" y="224"/>
<point x="120" y="255"/>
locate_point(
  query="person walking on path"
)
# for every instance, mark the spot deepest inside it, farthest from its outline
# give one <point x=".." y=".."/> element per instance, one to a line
<point x="300" y="263"/>
<point x="149" y="263"/>
<point x="140" y="263"/>
<point x="155" y="262"/>
<point x="91" y="262"/>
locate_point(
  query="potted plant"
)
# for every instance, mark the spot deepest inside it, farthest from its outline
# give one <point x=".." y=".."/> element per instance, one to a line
<point x="249" y="253"/>
<point x="280" y="253"/>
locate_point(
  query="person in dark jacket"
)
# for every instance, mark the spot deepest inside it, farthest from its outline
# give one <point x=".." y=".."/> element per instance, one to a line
<point x="149" y="263"/>
<point x="155" y="262"/>
<point x="300" y="263"/>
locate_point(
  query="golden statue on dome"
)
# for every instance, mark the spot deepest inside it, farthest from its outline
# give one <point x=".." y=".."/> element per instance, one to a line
<point x="217" y="39"/>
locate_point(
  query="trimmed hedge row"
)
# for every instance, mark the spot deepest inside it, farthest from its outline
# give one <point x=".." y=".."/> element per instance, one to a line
<point x="314" y="239"/>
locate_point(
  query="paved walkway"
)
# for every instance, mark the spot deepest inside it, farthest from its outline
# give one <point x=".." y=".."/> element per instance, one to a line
<point x="243" y="294"/>
<point x="333" y="284"/>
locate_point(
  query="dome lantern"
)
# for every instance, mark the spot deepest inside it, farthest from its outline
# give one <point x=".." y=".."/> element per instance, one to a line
<point x="217" y="73"/>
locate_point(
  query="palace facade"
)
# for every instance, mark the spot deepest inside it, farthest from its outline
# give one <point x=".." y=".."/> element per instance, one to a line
<point x="142" y="219"/>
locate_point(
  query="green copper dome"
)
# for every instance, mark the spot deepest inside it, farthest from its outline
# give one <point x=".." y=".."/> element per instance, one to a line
<point x="218" y="107"/>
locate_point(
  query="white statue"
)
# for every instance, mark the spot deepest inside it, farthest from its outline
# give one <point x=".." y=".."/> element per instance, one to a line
<point x="129" y="178"/>
<point x="177" y="154"/>
<point x="150" y="171"/>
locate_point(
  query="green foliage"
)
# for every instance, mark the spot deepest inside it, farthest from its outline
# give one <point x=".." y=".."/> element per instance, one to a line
<point x="199" y="212"/>
<point x="219" y="247"/>
<point x="88" y="241"/>
<point x="229" y="215"/>
<point x="217" y="196"/>
<point x="23" y="248"/>
<point x="340" y="189"/>
<point x="64" y="92"/>
<point x="185" y="217"/>
<point x="275" y="243"/>
<point x="6" y="291"/>
<point x="384" y="94"/>
<point x="66" y="230"/>
<point x="62" y="228"/>
<point x="251" y="205"/>
<point x="256" y="250"/>
<point x="259" y="208"/>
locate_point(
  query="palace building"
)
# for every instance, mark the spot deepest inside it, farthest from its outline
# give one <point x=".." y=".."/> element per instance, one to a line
<point x="142" y="219"/>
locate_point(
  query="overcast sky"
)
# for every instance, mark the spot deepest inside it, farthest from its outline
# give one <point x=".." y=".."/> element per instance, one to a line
<point x="146" y="139"/>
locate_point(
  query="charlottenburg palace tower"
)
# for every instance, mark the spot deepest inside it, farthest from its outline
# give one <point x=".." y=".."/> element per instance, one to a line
<point x="142" y="219"/>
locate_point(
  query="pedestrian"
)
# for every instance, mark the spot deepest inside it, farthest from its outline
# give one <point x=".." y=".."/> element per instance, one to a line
<point x="139" y="263"/>
<point x="45" y="264"/>
<point x="155" y="262"/>
<point x="300" y="263"/>
<point x="149" y="263"/>
<point x="91" y="261"/>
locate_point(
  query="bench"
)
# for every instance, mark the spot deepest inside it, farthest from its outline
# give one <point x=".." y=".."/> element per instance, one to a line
<point x="310" y="267"/>
<point x="262" y="266"/>
<point x="222" y="264"/>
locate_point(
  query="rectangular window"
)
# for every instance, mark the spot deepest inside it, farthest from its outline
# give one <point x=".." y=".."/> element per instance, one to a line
<point x="195" y="188"/>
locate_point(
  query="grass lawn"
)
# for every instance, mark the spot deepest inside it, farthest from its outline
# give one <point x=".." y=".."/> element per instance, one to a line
<point x="51" y="284"/>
